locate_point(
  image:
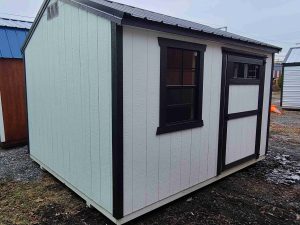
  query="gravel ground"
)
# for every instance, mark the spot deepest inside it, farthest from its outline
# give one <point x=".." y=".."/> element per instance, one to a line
<point x="15" y="165"/>
<point x="267" y="193"/>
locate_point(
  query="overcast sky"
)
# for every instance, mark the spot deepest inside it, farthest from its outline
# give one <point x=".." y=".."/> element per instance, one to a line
<point x="272" y="21"/>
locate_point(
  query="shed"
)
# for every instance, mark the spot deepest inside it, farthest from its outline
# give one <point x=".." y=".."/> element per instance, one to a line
<point x="13" y="119"/>
<point x="133" y="109"/>
<point x="290" y="93"/>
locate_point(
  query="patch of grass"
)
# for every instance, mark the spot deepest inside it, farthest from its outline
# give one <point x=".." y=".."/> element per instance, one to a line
<point x="20" y="201"/>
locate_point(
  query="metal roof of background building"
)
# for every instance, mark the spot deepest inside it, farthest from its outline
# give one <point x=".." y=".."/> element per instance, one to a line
<point x="12" y="36"/>
<point x="293" y="55"/>
<point x="4" y="22"/>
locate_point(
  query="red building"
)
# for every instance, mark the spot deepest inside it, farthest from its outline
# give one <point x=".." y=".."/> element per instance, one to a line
<point x="13" y="119"/>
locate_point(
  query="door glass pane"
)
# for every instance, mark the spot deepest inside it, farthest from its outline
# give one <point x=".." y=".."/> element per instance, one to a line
<point x="173" y="77"/>
<point x="174" y="58"/>
<point x="189" y="59"/>
<point x="238" y="70"/>
<point x="179" y="113"/>
<point x="253" y="71"/>
<point x="189" y="77"/>
<point x="180" y="96"/>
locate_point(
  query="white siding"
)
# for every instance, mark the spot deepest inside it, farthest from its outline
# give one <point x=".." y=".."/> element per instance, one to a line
<point x="241" y="135"/>
<point x="291" y="87"/>
<point x="68" y="68"/>
<point x="156" y="167"/>
<point x="243" y="98"/>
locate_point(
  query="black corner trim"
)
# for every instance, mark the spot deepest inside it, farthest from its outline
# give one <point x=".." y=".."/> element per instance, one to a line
<point x="270" y="102"/>
<point x="26" y="100"/>
<point x="117" y="118"/>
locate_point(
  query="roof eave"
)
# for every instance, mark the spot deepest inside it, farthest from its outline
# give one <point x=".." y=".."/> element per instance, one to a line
<point x="153" y="25"/>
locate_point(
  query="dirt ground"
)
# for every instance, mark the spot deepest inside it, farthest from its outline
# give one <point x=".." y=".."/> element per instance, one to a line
<point x="265" y="193"/>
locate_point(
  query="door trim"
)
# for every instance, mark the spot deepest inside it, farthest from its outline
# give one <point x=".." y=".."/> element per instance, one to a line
<point x="226" y="81"/>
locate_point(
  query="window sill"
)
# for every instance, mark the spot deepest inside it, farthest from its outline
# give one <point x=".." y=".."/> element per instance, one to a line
<point x="179" y="127"/>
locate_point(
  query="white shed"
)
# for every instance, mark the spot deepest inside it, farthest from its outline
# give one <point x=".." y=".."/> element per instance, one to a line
<point x="290" y="93"/>
<point x="133" y="109"/>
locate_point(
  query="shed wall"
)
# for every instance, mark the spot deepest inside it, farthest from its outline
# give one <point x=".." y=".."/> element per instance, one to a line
<point x="291" y="87"/>
<point x="157" y="167"/>
<point x="68" y="69"/>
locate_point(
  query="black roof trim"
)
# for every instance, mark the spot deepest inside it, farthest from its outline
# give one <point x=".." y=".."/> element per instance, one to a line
<point x="133" y="16"/>
<point x="152" y="25"/>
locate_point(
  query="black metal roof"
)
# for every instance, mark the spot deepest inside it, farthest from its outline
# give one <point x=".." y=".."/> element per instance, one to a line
<point x="125" y="14"/>
<point x="123" y="11"/>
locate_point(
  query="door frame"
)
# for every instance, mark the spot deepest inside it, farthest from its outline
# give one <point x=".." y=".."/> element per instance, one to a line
<point x="226" y="81"/>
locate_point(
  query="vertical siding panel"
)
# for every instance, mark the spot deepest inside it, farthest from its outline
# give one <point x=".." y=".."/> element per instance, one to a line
<point x="104" y="36"/>
<point x="52" y="157"/>
<point x="76" y="96"/>
<point x="72" y="98"/>
<point x="185" y="158"/>
<point x="128" y="118"/>
<point x="94" y="104"/>
<point x="205" y="116"/>
<point x="215" y="88"/>
<point x="139" y="128"/>
<point x="195" y="155"/>
<point x="66" y="72"/>
<point x="84" y="153"/>
<point x="152" y="120"/>
<point x="164" y="165"/>
<point x="175" y="175"/>
<point x="60" y="91"/>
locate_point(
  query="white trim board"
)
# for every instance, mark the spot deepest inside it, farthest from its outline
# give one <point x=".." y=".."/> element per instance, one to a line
<point x="2" y="131"/>
<point x="154" y="206"/>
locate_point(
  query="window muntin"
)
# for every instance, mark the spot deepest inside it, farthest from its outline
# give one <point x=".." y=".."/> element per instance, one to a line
<point x="245" y="71"/>
<point x="181" y="85"/>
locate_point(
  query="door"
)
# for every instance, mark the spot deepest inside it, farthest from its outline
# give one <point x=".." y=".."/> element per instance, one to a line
<point x="240" y="109"/>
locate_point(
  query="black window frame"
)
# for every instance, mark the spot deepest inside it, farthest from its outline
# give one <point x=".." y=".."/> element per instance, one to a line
<point x="249" y="60"/>
<point x="164" y="44"/>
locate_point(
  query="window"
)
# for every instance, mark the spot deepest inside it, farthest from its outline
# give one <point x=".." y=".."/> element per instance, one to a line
<point x="181" y="85"/>
<point x="245" y="71"/>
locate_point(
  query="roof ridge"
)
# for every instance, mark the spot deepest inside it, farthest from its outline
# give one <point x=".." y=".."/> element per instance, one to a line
<point x="26" y="21"/>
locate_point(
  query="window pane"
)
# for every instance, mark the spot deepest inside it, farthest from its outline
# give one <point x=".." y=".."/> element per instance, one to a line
<point x="238" y="70"/>
<point x="253" y="71"/>
<point x="189" y="59"/>
<point x="180" y="96"/>
<point x="179" y="113"/>
<point x="173" y="77"/>
<point x="189" y="77"/>
<point x="174" y="58"/>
